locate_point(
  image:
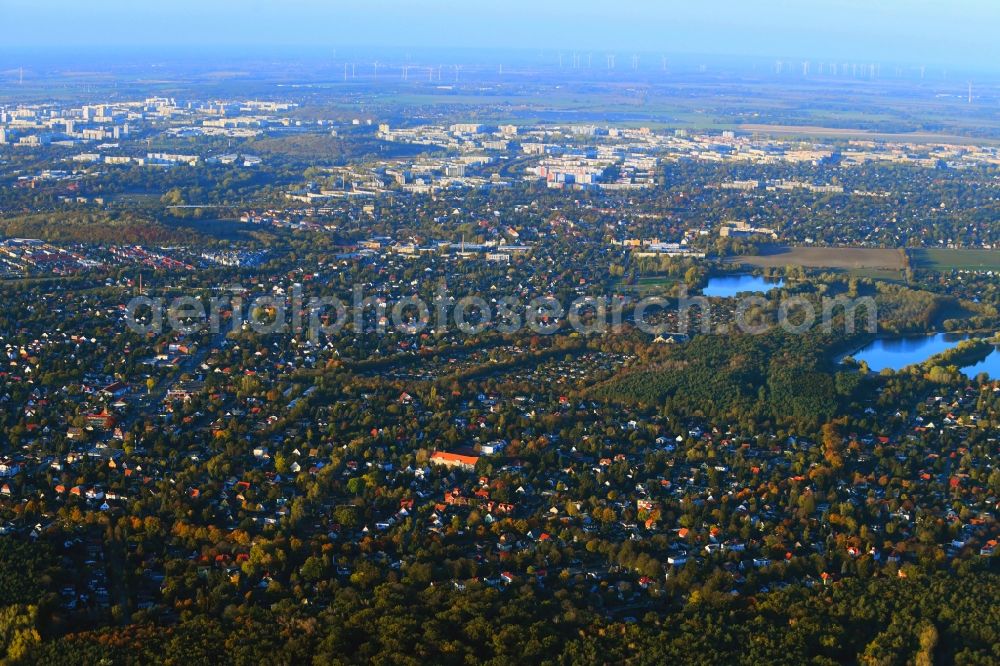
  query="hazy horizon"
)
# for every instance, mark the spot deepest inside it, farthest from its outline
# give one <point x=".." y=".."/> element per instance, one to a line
<point x="914" y="31"/>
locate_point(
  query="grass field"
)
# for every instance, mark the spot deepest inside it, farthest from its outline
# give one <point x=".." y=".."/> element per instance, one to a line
<point x="805" y="131"/>
<point x="650" y="285"/>
<point x="942" y="259"/>
<point x="879" y="274"/>
<point x="837" y="258"/>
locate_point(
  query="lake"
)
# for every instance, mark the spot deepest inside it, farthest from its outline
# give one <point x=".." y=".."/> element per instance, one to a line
<point x="902" y="352"/>
<point x="990" y="365"/>
<point x="730" y="286"/>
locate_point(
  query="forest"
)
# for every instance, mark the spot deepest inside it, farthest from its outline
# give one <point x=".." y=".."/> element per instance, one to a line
<point x="936" y="619"/>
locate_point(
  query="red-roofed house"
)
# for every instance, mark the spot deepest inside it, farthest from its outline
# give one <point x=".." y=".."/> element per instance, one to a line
<point x="458" y="460"/>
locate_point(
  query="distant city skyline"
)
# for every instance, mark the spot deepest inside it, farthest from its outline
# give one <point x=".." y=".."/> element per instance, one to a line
<point x="918" y="31"/>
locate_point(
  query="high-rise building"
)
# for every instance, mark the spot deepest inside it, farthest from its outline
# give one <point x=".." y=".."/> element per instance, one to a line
<point x="3" y="136"/>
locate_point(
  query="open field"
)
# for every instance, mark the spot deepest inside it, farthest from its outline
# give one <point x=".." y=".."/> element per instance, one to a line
<point x="785" y="131"/>
<point x="649" y="285"/>
<point x="840" y="258"/>
<point x="879" y="274"/>
<point x="942" y="259"/>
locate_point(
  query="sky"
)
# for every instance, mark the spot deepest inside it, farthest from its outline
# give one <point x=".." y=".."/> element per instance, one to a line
<point x="953" y="32"/>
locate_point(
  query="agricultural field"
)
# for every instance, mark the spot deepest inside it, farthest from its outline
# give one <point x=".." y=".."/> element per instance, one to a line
<point x="943" y="259"/>
<point x="838" y="258"/>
